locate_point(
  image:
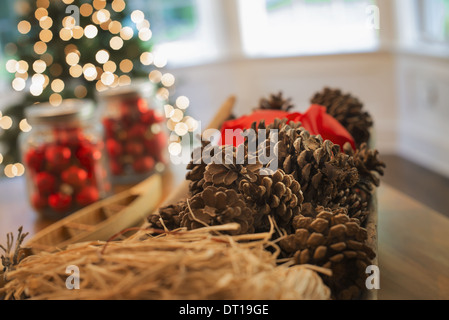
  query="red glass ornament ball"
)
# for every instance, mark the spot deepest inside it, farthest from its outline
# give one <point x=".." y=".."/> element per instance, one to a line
<point x="113" y="147"/>
<point x="60" y="202"/>
<point x="87" y="195"/>
<point x="134" y="148"/>
<point x="57" y="156"/>
<point x="45" y="182"/>
<point x="75" y="176"/>
<point x="34" y="159"/>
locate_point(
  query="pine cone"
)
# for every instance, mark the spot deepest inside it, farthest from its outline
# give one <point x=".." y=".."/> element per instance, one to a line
<point x="348" y="110"/>
<point x="201" y="157"/>
<point x="227" y="172"/>
<point x="275" y="102"/>
<point x="169" y="216"/>
<point x="331" y="239"/>
<point x="217" y="206"/>
<point x="278" y="195"/>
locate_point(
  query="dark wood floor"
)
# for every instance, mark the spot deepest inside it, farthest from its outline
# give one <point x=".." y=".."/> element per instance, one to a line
<point x="419" y="183"/>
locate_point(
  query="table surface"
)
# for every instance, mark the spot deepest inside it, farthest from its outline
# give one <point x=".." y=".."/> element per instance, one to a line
<point x="413" y="240"/>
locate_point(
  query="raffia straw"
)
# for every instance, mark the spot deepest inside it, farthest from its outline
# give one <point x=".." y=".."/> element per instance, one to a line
<point x="183" y="265"/>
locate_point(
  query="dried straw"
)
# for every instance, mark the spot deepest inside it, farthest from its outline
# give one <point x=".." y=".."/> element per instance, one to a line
<point x="182" y="265"/>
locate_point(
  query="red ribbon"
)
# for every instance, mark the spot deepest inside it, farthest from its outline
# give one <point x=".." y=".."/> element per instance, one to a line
<point x="315" y="120"/>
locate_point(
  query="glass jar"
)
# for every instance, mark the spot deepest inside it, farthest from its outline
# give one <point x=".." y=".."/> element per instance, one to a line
<point x="64" y="158"/>
<point x="135" y="139"/>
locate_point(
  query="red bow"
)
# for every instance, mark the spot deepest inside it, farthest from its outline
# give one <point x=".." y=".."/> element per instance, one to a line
<point x="315" y="120"/>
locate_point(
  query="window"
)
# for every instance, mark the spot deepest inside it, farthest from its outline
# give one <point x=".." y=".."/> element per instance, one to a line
<point x="292" y="27"/>
<point x="434" y="20"/>
<point x="183" y="30"/>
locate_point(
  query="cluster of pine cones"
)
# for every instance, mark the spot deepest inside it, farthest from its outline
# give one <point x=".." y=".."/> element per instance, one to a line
<point x="318" y="198"/>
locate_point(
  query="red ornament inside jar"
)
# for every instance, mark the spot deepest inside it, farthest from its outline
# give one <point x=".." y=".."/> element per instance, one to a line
<point x="64" y="158"/>
<point x="135" y="140"/>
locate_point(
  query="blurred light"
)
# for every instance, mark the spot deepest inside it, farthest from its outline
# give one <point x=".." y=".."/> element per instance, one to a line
<point x="65" y="34"/>
<point x="46" y="22"/>
<point x="102" y="56"/>
<point x="191" y="123"/>
<point x="77" y="32"/>
<point x="11" y="49"/>
<point x="168" y="79"/>
<point x="80" y="92"/>
<point x="72" y="59"/>
<point x="163" y="94"/>
<point x="42" y="3"/>
<point x="155" y="76"/>
<point x="177" y="116"/>
<point x="9" y="171"/>
<point x="118" y="5"/>
<point x="155" y="128"/>
<point x="126" y="65"/>
<point x="160" y="61"/>
<point x="103" y="15"/>
<point x="146" y="58"/>
<point x="57" y="85"/>
<point x="56" y="70"/>
<point x="46" y="35"/>
<point x="18" y="169"/>
<point x="24" y="27"/>
<point x="126" y="33"/>
<point x="11" y="66"/>
<point x="181" y="129"/>
<point x="39" y="66"/>
<point x="110" y="66"/>
<point x="116" y="43"/>
<point x="36" y="89"/>
<point x="55" y="99"/>
<point x="107" y="78"/>
<point x="5" y="123"/>
<point x="182" y="102"/>
<point x="40" y="47"/>
<point x="137" y="16"/>
<point x="18" y="84"/>
<point x="47" y="58"/>
<point x="86" y="10"/>
<point x="100" y="86"/>
<point x="40" y="13"/>
<point x="145" y="34"/>
<point x="1" y="158"/>
<point x="38" y="79"/>
<point x="115" y="27"/>
<point x="124" y="80"/>
<point x="22" y="66"/>
<point x="90" y="72"/>
<point x="25" y="126"/>
<point x="76" y="71"/>
<point x="175" y="148"/>
<point x="90" y="31"/>
<point x="67" y="1"/>
<point x="171" y="124"/>
<point x="99" y="4"/>
<point x="23" y="76"/>
<point x="143" y="24"/>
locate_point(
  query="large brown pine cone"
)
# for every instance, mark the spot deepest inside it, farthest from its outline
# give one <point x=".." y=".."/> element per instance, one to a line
<point x="333" y="240"/>
<point x="278" y="195"/>
<point x="217" y="206"/>
<point x="348" y="110"/>
<point x="275" y="102"/>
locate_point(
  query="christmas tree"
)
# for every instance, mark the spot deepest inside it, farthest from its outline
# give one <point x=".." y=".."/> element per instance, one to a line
<point x="73" y="49"/>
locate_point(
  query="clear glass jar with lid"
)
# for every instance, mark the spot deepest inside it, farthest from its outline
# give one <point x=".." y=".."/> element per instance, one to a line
<point x="64" y="158"/>
<point x="135" y="139"/>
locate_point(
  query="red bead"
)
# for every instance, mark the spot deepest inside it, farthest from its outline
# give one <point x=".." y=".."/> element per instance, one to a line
<point x="60" y="202"/>
<point x="57" y="156"/>
<point x="87" y="196"/>
<point x="45" y="182"/>
<point x="34" y="159"/>
<point x="145" y="164"/>
<point x="142" y="105"/>
<point x="87" y="155"/>
<point x="75" y="176"/>
<point x="147" y="117"/>
<point x="114" y="148"/>
<point x="38" y="201"/>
